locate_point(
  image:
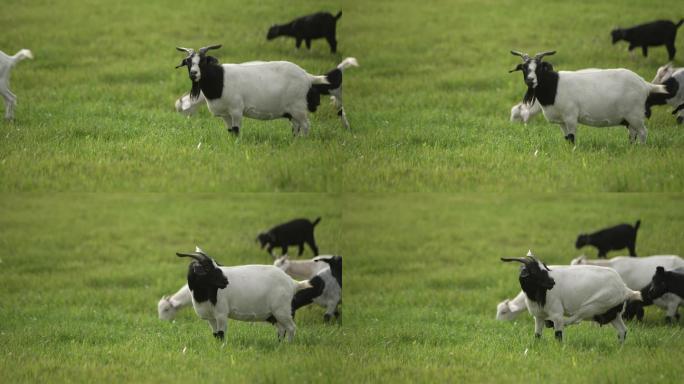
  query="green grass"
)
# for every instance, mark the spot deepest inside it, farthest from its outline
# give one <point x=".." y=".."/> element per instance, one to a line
<point x="429" y="105"/>
<point x="82" y="273"/>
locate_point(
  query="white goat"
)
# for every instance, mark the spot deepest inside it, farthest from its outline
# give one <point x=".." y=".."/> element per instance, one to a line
<point x="567" y="296"/>
<point x="598" y="98"/>
<point x="637" y="272"/>
<point x="6" y="64"/>
<point x="510" y="309"/>
<point x="188" y="106"/>
<point x="299" y="269"/>
<point x="246" y="293"/>
<point x="673" y="78"/>
<point x="169" y="306"/>
<point x="260" y="90"/>
<point x="524" y="112"/>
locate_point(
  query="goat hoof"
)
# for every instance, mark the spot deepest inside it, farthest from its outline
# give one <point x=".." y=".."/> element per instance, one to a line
<point x="559" y="335"/>
<point x="219" y="335"/>
<point x="537" y="335"/>
<point x="326" y="318"/>
<point x="680" y="120"/>
<point x="235" y="131"/>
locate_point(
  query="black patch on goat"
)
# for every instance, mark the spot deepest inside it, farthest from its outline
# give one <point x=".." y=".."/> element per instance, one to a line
<point x="307" y="296"/>
<point x="547" y="85"/>
<point x="334" y="77"/>
<point x="671" y="85"/>
<point x="294" y="232"/>
<point x="660" y="32"/>
<point x="211" y="78"/>
<point x="613" y="238"/>
<point x="204" y="279"/>
<point x="609" y="315"/>
<point x="313" y="99"/>
<point x="335" y="263"/>
<point x="305" y="28"/>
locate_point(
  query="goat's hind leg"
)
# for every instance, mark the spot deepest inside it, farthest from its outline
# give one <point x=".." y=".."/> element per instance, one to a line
<point x="10" y="102"/>
<point x="336" y="95"/>
<point x="619" y="325"/>
<point x="284" y="319"/>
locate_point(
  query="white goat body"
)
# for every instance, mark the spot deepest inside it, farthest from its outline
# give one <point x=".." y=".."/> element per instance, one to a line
<point x="299" y="269"/>
<point x="6" y="64"/>
<point x="637" y="273"/>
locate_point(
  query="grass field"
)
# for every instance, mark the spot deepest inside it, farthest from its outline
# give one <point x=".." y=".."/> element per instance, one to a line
<point x="429" y="105"/>
<point x="81" y="276"/>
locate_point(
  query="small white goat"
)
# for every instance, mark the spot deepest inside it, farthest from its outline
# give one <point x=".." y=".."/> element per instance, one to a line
<point x="6" y="64"/>
<point x="299" y="269"/>
<point x="598" y="98"/>
<point x="246" y="293"/>
<point x="673" y="78"/>
<point x="524" y="112"/>
<point x="188" y="106"/>
<point x="510" y="309"/>
<point x="169" y="306"/>
<point x="567" y="296"/>
<point x="260" y="90"/>
<point x="637" y="272"/>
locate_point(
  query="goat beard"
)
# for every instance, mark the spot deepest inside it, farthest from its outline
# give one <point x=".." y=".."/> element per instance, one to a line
<point x="195" y="90"/>
<point x="529" y="97"/>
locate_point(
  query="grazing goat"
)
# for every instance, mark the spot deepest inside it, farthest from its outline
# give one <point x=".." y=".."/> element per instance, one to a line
<point x="599" y="98"/>
<point x="188" y="106"/>
<point x="510" y="309"/>
<point x="294" y="232"/>
<point x="246" y="293"/>
<point x="674" y="79"/>
<point x="260" y="90"/>
<point x="613" y="238"/>
<point x="524" y="112"/>
<point x="569" y="295"/>
<point x="306" y="28"/>
<point x="169" y="306"/>
<point x="326" y="289"/>
<point x="660" y="32"/>
<point x="299" y="269"/>
<point x="636" y="272"/>
<point x="6" y="64"/>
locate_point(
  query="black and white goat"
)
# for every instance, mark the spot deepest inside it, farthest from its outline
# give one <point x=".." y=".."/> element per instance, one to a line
<point x="569" y="295"/>
<point x="655" y="33"/>
<point x="674" y="79"/>
<point x="8" y="62"/>
<point x="309" y="27"/>
<point x="294" y="232"/>
<point x="326" y="289"/>
<point x="260" y="90"/>
<point x="614" y="238"/>
<point x="598" y="98"/>
<point x="667" y="282"/>
<point x="188" y="105"/>
<point x="636" y="272"/>
<point x="246" y="293"/>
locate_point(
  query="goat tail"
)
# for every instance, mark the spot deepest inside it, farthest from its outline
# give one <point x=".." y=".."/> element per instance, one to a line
<point x="348" y="62"/>
<point x="304" y="284"/>
<point x="339" y="14"/>
<point x="657" y="88"/>
<point x="318" y="220"/>
<point x="634" y="295"/>
<point x="315" y="80"/>
<point x="676" y="25"/>
<point x="636" y="225"/>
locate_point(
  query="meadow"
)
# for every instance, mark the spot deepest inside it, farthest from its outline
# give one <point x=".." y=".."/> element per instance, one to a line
<point x="82" y="273"/>
<point x="429" y="105"/>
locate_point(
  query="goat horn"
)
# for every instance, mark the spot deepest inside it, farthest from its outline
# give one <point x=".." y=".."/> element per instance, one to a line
<point x="204" y="50"/>
<point x="524" y="56"/>
<point x="518" y="259"/>
<point x="189" y="51"/>
<point x="539" y="56"/>
<point x="193" y="255"/>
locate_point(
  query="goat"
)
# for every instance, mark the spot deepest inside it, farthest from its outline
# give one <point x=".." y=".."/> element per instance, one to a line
<point x="674" y="79"/>
<point x="294" y="232"/>
<point x="326" y="289"/>
<point x="188" y="106"/>
<point x="6" y="64"/>
<point x="598" y="98"/>
<point x="299" y="269"/>
<point x="524" y="112"/>
<point x="245" y="293"/>
<point x="260" y="90"/>
<point x="307" y="28"/>
<point x="667" y="281"/>
<point x="637" y="272"/>
<point x="613" y="238"/>
<point x="582" y="293"/>
<point x="510" y="309"/>
<point x="655" y="33"/>
<point x="169" y="306"/>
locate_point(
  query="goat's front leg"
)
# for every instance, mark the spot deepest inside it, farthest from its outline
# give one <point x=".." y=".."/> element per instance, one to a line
<point x="214" y="328"/>
<point x="538" y="326"/>
<point x="570" y="129"/>
<point x="558" y="326"/>
<point x="221" y="324"/>
<point x="236" y="122"/>
<point x="10" y="102"/>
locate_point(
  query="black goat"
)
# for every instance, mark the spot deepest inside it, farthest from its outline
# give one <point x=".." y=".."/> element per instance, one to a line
<point x="662" y="282"/>
<point x="305" y="28"/>
<point x="613" y="238"/>
<point x="660" y="32"/>
<point x="295" y="232"/>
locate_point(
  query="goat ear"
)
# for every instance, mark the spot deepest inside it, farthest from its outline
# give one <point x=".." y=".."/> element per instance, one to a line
<point x="182" y="64"/>
<point x="518" y="67"/>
